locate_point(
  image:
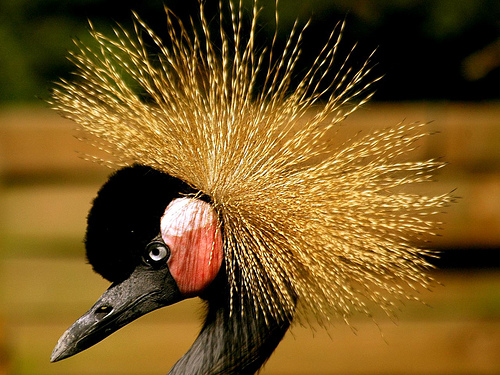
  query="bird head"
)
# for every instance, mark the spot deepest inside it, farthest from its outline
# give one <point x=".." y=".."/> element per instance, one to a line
<point x="156" y="239"/>
<point x="307" y="229"/>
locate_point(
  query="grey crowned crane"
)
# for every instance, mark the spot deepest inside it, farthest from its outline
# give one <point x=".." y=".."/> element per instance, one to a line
<point x="230" y="189"/>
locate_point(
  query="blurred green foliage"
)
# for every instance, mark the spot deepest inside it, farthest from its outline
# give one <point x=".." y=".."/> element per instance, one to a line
<point x="427" y="49"/>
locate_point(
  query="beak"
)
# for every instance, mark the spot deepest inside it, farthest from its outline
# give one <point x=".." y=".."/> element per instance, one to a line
<point x="146" y="289"/>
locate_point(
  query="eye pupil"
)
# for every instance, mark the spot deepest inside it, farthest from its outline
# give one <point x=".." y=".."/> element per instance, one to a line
<point x="157" y="252"/>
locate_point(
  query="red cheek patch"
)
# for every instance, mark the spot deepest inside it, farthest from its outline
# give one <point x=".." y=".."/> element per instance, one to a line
<point x="190" y="228"/>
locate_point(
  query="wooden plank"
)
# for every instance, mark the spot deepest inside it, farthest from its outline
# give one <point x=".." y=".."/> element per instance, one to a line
<point x="37" y="140"/>
<point x="454" y="347"/>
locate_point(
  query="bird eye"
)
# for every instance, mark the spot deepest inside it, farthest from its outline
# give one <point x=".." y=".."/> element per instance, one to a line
<point x="156" y="253"/>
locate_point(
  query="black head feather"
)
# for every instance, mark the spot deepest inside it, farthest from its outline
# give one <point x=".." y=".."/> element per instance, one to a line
<point x="125" y="217"/>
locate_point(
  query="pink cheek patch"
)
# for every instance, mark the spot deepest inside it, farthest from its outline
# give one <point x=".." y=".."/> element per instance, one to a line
<point x="190" y="228"/>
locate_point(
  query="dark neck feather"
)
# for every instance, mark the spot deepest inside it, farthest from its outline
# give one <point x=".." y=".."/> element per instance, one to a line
<point x="231" y="343"/>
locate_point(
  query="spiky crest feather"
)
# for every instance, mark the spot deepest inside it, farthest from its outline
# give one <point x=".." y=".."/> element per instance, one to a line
<point x="302" y="221"/>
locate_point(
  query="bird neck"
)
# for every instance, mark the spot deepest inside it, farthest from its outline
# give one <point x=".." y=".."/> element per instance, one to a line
<point x="231" y="343"/>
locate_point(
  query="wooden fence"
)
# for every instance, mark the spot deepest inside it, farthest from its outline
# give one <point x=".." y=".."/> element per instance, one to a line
<point x="45" y="193"/>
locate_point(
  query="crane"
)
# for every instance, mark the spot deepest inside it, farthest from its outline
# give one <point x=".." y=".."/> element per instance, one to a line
<point x="228" y="188"/>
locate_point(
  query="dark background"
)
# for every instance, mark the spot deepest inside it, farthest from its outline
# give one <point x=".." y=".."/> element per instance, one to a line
<point x="427" y="50"/>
